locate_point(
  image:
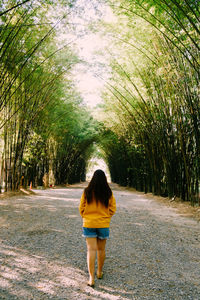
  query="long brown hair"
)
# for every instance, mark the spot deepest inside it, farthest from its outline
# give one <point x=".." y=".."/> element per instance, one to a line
<point x="98" y="188"/>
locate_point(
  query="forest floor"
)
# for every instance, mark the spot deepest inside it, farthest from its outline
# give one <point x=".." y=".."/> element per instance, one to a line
<point x="153" y="251"/>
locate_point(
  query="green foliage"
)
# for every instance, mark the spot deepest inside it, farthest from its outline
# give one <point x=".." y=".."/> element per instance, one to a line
<point x="44" y="126"/>
<point x="152" y="98"/>
<point x="149" y="125"/>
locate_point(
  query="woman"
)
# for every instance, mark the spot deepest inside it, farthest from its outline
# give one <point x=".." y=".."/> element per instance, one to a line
<point x="97" y="206"/>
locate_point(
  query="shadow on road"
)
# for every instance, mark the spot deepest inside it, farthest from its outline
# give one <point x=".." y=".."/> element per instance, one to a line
<point x="42" y="253"/>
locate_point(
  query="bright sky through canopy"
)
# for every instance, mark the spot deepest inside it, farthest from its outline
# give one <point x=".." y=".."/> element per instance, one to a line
<point x="91" y="46"/>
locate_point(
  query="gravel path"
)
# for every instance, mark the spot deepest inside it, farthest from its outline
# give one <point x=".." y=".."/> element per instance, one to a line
<point x="153" y="252"/>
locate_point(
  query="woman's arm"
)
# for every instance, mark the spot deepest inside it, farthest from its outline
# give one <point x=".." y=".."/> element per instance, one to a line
<point x="112" y="205"/>
<point x="82" y="204"/>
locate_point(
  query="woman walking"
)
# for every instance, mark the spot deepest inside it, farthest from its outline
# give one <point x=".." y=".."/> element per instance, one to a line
<point x="97" y="206"/>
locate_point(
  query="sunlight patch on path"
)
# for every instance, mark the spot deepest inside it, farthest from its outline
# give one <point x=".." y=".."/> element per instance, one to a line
<point x="94" y="164"/>
<point x="152" y="253"/>
<point x="25" y="275"/>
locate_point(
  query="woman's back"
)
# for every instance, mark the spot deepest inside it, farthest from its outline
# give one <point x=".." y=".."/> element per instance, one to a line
<point x="95" y="214"/>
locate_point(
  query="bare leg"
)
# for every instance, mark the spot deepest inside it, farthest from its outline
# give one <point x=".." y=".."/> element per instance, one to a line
<point x="101" y="244"/>
<point x="91" y="256"/>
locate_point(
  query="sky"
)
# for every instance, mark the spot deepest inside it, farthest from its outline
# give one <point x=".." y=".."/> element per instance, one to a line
<point x="90" y="46"/>
<point x="90" y="75"/>
<point x="94" y="164"/>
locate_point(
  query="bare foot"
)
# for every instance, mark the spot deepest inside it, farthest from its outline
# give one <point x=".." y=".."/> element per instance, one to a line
<point x="99" y="275"/>
<point x="91" y="282"/>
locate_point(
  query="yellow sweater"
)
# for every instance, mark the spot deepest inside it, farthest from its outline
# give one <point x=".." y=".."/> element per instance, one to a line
<point x="96" y="215"/>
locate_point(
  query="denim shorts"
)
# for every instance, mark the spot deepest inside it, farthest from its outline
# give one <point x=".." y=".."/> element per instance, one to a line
<point x="101" y="233"/>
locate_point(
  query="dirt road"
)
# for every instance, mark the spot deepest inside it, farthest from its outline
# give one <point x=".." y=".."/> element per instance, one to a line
<point x="153" y="252"/>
